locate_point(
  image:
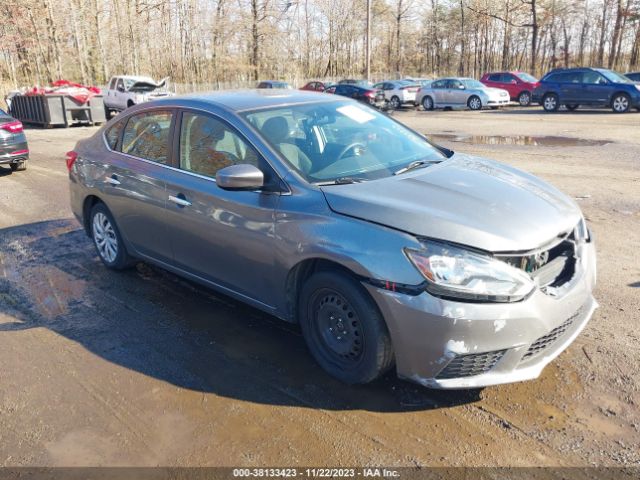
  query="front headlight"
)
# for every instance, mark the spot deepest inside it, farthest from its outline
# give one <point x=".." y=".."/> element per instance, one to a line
<point x="458" y="273"/>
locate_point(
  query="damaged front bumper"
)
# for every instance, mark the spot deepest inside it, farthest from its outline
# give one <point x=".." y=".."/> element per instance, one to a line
<point x="454" y="345"/>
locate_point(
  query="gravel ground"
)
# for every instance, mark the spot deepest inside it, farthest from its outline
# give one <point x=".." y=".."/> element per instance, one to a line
<point x="143" y="368"/>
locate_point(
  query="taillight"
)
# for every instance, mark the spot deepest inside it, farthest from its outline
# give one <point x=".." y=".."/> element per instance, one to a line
<point x="370" y="94"/>
<point x="12" y="127"/>
<point x="71" y="159"/>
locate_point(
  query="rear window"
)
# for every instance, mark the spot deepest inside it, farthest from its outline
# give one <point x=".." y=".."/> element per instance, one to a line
<point x="112" y="135"/>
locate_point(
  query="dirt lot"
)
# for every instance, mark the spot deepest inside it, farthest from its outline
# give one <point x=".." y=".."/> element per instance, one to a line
<point x="142" y="368"/>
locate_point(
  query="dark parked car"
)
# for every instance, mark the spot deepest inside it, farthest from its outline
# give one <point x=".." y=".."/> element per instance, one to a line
<point x="14" y="150"/>
<point x="274" y="84"/>
<point x="520" y="85"/>
<point x="595" y="87"/>
<point x="353" y="81"/>
<point x="370" y="96"/>
<point x="388" y="251"/>
<point x="315" y="86"/>
<point x="633" y="76"/>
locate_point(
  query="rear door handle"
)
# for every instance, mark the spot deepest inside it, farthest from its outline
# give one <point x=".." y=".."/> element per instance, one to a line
<point x="113" y="180"/>
<point x="180" y="200"/>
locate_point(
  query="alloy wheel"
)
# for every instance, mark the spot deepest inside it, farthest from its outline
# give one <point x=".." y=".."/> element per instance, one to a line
<point x="620" y="104"/>
<point x="395" y="103"/>
<point x="475" y="103"/>
<point x="105" y="237"/>
<point x="427" y="103"/>
<point x="524" y="99"/>
<point x="550" y="103"/>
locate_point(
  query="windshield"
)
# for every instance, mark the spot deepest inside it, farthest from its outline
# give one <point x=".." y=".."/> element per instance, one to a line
<point x="526" y="77"/>
<point x="614" y="77"/>
<point x="327" y="142"/>
<point x="471" y="83"/>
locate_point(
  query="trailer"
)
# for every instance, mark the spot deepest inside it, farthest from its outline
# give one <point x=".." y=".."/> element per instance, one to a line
<point x="54" y="110"/>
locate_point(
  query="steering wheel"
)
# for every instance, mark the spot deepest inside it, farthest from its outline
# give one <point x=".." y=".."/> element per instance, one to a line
<point x="351" y="146"/>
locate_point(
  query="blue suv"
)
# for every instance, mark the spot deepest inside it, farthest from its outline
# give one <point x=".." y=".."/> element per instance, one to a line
<point x="595" y="87"/>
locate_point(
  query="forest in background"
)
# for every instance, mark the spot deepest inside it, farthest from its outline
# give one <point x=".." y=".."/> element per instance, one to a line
<point x="231" y="43"/>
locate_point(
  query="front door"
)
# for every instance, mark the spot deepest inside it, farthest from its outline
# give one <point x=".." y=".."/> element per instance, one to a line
<point x="224" y="237"/>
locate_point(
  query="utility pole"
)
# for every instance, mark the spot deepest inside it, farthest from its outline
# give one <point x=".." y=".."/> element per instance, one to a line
<point x="368" y="46"/>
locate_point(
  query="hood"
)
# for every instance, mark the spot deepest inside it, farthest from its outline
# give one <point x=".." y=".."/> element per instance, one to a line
<point x="466" y="200"/>
<point x="495" y="92"/>
<point x="146" y="85"/>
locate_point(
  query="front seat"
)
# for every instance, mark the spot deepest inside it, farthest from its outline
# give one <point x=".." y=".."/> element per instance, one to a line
<point x="276" y="130"/>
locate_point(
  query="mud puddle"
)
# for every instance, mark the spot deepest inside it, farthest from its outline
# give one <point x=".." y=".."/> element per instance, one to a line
<point x="518" y="140"/>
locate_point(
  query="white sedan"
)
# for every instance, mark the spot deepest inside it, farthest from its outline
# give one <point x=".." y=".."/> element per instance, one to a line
<point x="398" y="92"/>
<point x="460" y="92"/>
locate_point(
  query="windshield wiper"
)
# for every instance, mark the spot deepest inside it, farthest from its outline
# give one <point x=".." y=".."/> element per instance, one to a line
<point x="342" y="181"/>
<point x="411" y="166"/>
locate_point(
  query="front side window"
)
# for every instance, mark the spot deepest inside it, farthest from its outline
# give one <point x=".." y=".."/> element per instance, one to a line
<point x="208" y="144"/>
<point x="120" y="84"/>
<point x="147" y="136"/>
<point x="325" y="142"/>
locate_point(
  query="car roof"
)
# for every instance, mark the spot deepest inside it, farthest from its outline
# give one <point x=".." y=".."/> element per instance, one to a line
<point x="241" y="100"/>
<point x="135" y="78"/>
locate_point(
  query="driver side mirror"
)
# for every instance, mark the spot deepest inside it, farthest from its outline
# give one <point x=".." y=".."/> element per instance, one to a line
<point x="461" y="87"/>
<point x="120" y="88"/>
<point x="240" y="177"/>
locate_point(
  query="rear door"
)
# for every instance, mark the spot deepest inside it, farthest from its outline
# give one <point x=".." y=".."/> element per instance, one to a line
<point x="224" y="237"/>
<point x="134" y="180"/>
<point x="571" y="91"/>
<point x="439" y="91"/>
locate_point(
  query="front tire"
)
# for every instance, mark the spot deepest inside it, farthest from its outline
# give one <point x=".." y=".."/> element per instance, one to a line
<point x="474" y="103"/>
<point x="621" y="103"/>
<point x="427" y="103"/>
<point x="524" y="99"/>
<point x="107" y="239"/>
<point x="343" y="328"/>
<point x="550" y="102"/>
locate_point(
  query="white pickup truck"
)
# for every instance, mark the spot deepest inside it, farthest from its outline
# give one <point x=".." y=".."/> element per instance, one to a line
<point x="123" y="91"/>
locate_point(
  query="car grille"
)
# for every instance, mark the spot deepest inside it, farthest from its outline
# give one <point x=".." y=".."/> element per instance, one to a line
<point x="550" y="338"/>
<point x="470" y="365"/>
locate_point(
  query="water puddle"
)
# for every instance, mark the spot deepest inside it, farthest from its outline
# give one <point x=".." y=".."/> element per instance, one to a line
<point x="519" y="140"/>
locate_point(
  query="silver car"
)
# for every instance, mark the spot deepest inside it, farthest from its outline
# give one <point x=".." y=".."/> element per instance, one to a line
<point x="461" y="93"/>
<point x="389" y="251"/>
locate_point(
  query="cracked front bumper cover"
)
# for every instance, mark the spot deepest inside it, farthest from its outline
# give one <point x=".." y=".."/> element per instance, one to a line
<point x="501" y="342"/>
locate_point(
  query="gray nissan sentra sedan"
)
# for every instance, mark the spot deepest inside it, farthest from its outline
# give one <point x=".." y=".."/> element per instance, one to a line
<point x="389" y="251"/>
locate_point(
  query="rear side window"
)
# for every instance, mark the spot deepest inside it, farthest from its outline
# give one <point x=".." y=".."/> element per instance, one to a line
<point x="112" y="85"/>
<point x="496" y="77"/>
<point x="112" y="135"/>
<point x="438" y="84"/>
<point x="147" y="136"/>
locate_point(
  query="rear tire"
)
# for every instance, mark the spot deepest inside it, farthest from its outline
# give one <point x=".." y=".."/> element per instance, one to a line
<point x="395" y="102"/>
<point x="474" y="103"/>
<point x="427" y="103"/>
<point x="107" y="239"/>
<point x="19" y="166"/>
<point x="343" y="328"/>
<point x="550" y="102"/>
<point x="620" y="103"/>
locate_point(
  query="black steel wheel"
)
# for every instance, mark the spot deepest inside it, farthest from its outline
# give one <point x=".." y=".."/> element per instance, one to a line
<point x="343" y="328"/>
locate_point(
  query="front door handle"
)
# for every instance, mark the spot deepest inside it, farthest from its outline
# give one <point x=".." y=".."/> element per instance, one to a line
<point x="180" y="200"/>
<point x="112" y="180"/>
